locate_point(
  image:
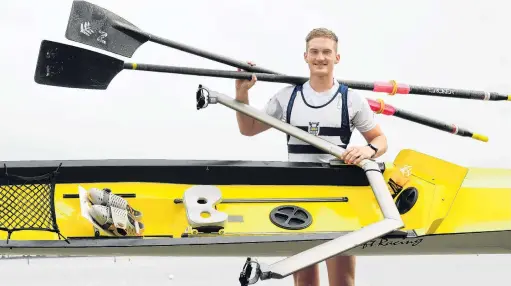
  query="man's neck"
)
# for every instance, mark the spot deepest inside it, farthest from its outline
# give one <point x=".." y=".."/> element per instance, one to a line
<point x="321" y="83"/>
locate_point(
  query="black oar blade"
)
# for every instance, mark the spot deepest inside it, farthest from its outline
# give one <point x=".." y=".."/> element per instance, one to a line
<point x="95" y="26"/>
<point x="74" y="67"/>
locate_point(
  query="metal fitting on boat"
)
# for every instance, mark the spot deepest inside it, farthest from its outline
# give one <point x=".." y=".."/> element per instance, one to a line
<point x="205" y="97"/>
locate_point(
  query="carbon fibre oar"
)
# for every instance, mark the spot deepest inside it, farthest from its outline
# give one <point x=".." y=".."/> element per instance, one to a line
<point x="60" y="64"/>
<point x="380" y="107"/>
<point x="98" y="27"/>
<point x="65" y="65"/>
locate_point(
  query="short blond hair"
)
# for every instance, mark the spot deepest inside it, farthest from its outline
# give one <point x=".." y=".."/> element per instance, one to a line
<point x="321" y="33"/>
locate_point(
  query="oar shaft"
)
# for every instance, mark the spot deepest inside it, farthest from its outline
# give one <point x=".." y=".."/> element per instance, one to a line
<point x="451" y="128"/>
<point x="382" y="108"/>
<point x="205" y="54"/>
<point x="457" y="93"/>
<point x="216" y="73"/>
<point x="267" y="75"/>
<point x="280" y="78"/>
<point x="378" y="86"/>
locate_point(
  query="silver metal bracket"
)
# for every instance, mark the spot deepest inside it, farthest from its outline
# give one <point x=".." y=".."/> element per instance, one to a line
<point x="254" y="271"/>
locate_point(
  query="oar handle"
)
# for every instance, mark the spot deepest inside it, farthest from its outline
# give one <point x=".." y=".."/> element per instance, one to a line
<point x="451" y="128"/>
<point x="459" y="93"/>
<point x="379" y="107"/>
<point x="392" y="88"/>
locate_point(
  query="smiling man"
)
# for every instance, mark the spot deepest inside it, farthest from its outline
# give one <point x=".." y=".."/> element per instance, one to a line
<point x="327" y="109"/>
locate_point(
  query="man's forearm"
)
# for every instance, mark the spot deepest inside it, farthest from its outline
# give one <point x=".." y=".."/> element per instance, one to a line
<point x="245" y="122"/>
<point x="380" y="142"/>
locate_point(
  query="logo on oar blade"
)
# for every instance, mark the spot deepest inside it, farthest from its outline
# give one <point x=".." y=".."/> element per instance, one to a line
<point x="86" y="29"/>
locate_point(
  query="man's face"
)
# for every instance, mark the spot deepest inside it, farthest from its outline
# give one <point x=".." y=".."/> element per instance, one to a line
<point x="321" y="56"/>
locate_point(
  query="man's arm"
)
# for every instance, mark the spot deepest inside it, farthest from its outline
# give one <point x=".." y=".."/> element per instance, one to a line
<point x="364" y="121"/>
<point x="248" y="126"/>
<point x="377" y="138"/>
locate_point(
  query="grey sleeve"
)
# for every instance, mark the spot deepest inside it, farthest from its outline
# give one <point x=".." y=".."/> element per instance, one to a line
<point x="277" y="105"/>
<point x="364" y="117"/>
<point x="274" y="109"/>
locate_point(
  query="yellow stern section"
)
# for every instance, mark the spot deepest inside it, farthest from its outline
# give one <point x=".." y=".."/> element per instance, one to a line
<point x="482" y="204"/>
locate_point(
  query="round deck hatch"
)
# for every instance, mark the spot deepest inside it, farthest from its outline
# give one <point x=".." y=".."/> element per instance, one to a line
<point x="291" y="217"/>
<point x="407" y="199"/>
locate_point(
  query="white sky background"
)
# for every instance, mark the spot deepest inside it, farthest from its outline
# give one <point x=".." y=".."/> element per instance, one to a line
<point x="456" y="44"/>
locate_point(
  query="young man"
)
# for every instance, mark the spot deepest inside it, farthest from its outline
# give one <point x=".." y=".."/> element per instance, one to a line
<point x="326" y="109"/>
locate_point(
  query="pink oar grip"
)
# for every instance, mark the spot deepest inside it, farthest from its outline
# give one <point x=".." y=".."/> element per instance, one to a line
<point x="387" y="87"/>
<point x="377" y="107"/>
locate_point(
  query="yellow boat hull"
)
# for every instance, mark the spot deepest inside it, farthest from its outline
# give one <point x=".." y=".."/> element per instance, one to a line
<point x="454" y="209"/>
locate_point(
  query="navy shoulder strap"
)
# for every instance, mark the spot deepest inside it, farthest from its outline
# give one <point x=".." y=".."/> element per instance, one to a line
<point x="290" y="105"/>
<point x="345" y="116"/>
<point x="291" y="102"/>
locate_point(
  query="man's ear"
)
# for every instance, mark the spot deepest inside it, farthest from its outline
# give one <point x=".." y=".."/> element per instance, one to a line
<point x="305" y="57"/>
<point x="337" y="58"/>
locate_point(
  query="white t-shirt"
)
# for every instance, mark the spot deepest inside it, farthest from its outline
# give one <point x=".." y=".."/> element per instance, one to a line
<point x="361" y="116"/>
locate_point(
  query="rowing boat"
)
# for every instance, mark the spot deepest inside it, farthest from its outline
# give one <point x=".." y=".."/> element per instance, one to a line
<point x="417" y="204"/>
<point x="309" y="212"/>
<point x="446" y="208"/>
